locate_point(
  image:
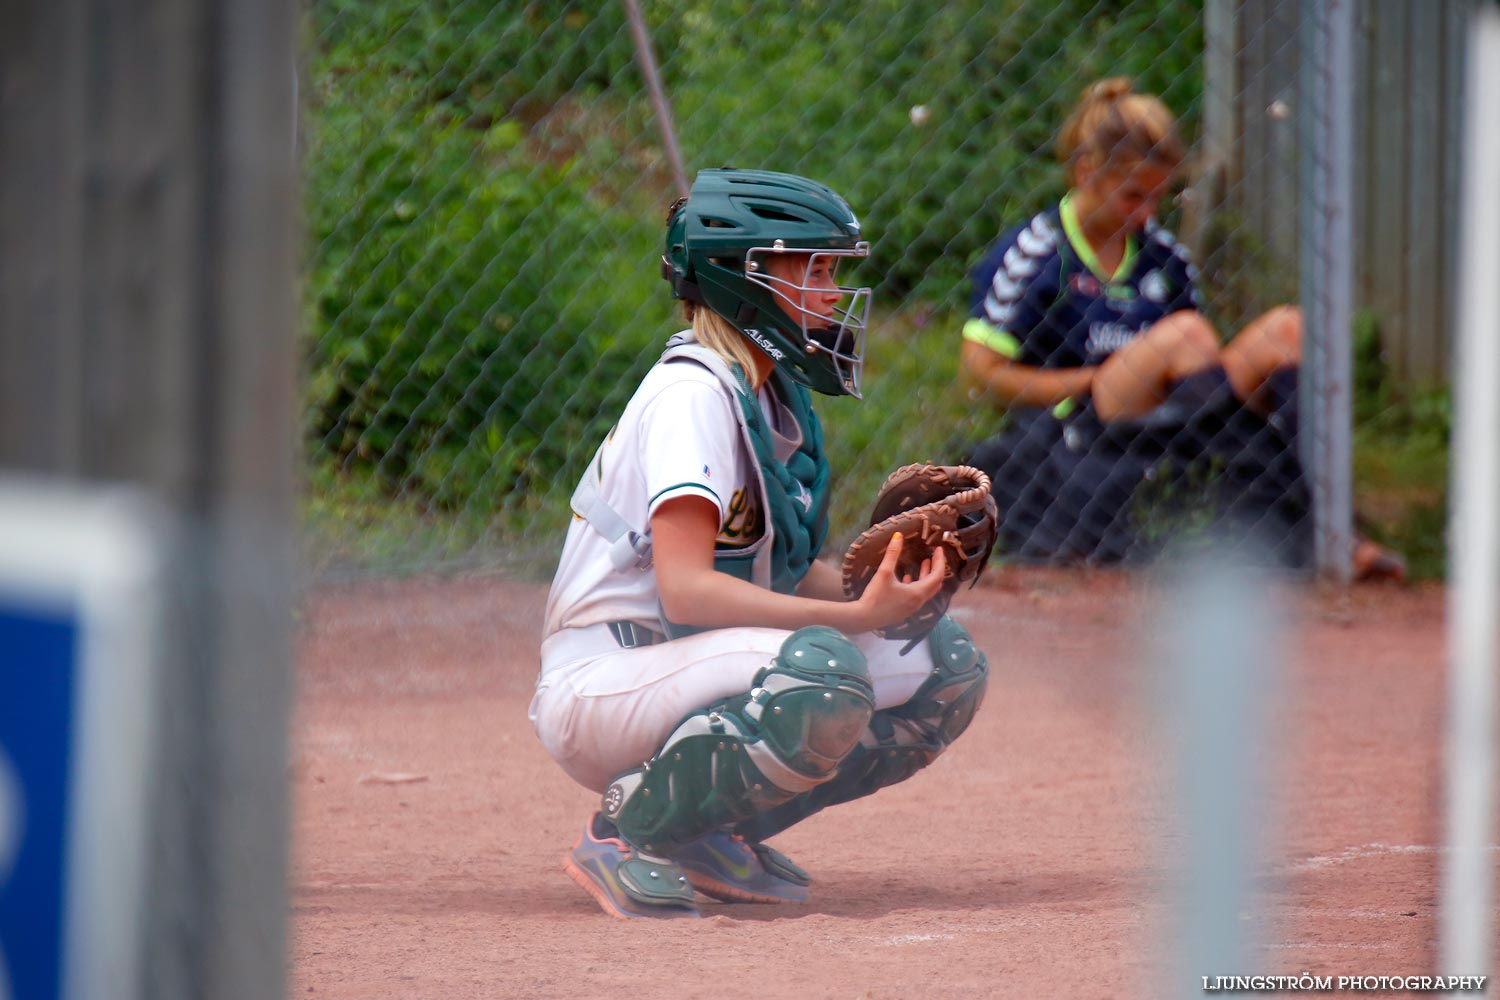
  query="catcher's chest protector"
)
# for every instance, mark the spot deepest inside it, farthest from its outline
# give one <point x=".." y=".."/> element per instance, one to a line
<point x="794" y="493"/>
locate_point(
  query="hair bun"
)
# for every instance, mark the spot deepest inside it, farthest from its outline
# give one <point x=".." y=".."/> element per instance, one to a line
<point x="1110" y="89"/>
<point x="1113" y="121"/>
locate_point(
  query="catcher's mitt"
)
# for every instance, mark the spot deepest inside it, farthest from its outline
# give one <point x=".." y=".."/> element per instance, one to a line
<point x="931" y="505"/>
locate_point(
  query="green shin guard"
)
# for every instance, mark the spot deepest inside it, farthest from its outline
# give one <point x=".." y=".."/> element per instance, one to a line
<point x="947" y="702"/>
<point x="747" y="754"/>
<point x="900" y="741"/>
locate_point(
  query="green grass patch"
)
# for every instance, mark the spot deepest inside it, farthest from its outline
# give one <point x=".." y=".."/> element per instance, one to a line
<point x="1401" y="447"/>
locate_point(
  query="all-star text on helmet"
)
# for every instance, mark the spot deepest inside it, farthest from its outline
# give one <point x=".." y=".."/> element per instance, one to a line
<point x="720" y="243"/>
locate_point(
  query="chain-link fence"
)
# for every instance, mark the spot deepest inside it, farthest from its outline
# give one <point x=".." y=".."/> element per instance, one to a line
<point x="486" y="192"/>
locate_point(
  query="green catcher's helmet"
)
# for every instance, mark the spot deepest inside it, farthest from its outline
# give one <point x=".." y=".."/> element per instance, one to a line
<point x="722" y="245"/>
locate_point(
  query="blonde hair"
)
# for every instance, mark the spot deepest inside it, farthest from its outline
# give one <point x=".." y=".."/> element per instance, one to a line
<point x="718" y="335"/>
<point x="1117" y="128"/>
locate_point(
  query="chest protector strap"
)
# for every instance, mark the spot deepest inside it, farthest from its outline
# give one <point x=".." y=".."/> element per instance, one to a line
<point x="629" y="547"/>
<point x="794" y="494"/>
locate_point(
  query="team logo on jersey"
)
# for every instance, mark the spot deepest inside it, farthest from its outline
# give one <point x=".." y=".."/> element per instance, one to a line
<point x="772" y="351"/>
<point x="1154" y="286"/>
<point x="1086" y="284"/>
<point x="743" y="521"/>
<point x="1107" y="338"/>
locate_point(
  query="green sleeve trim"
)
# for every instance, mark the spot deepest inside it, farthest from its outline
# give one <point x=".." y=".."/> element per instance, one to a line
<point x="1074" y="232"/>
<point x="986" y="334"/>
<point x="678" y="486"/>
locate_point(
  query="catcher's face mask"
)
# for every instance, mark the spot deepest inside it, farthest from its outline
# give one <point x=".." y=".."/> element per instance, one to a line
<point x="830" y="317"/>
<point x="760" y="249"/>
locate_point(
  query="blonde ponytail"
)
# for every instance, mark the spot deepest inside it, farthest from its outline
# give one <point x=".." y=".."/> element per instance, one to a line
<point x="718" y="335"/>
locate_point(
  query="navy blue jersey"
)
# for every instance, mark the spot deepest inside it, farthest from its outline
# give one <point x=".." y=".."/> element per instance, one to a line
<point x="1039" y="299"/>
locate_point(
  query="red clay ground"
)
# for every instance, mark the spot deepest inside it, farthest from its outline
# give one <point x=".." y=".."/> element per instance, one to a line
<point x="1032" y="860"/>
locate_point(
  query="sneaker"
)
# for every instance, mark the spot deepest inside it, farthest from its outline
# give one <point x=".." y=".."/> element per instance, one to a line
<point x="1373" y="562"/>
<point x="729" y="868"/>
<point x="623" y="881"/>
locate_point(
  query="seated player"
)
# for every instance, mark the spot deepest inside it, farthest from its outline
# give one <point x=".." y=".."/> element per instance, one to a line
<point x="1086" y="328"/>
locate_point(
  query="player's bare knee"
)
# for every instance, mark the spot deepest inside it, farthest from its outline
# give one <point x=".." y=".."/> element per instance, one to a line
<point x="1193" y="340"/>
<point x="1286" y="330"/>
<point x="1286" y="315"/>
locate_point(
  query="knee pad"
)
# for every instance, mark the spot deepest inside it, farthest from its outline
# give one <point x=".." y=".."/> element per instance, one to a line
<point x="899" y="741"/>
<point x="948" y="700"/>
<point x="905" y="738"/>
<point x="788" y="734"/>
<point x="811" y="704"/>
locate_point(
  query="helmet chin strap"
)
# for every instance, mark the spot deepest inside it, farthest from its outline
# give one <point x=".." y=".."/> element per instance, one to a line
<point x="838" y="339"/>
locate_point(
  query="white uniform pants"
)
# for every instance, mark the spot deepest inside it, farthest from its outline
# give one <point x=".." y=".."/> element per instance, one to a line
<point x="602" y="713"/>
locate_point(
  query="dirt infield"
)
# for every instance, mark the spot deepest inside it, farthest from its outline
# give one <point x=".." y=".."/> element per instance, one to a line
<point x="1033" y="860"/>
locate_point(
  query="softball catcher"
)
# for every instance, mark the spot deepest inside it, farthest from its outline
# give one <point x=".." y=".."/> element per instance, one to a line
<point x="701" y="668"/>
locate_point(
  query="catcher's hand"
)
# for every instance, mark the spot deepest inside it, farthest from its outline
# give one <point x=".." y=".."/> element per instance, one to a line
<point x="947" y="506"/>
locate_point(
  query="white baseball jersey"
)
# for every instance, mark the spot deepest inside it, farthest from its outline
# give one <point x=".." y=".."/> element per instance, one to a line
<point x="600" y="708"/>
<point x="679" y="436"/>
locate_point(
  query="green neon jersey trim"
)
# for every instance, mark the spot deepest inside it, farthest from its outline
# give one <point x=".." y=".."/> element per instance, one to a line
<point x="986" y="334"/>
<point x="1074" y="232"/>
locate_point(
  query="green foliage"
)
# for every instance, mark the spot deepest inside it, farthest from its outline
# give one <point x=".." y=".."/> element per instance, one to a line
<point x="1241" y="276"/>
<point x="826" y="89"/>
<point x="478" y="59"/>
<point x="1401" y="446"/>
<point x="454" y="301"/>
<point x="1176" y="508"/>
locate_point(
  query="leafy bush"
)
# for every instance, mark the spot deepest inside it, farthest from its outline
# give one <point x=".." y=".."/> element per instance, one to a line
<point x="476" y="302"/>
<point x="457" y="309"/>
<point x="1402" y="435"/>
<point x="826" y="89"/>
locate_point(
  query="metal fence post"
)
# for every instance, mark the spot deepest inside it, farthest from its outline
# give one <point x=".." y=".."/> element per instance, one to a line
<point x="1327" y="269"/>
<point x="147" y="253"/>
<point x="1474" y="535"/>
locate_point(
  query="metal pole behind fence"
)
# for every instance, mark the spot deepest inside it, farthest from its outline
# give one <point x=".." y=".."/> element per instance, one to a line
<point x="147" y="248"/>
<point x="1474" y="542"/>
<point x="1216" y="662"/>
<point x="1327" y="268"/>
<point x="658" y="95"/>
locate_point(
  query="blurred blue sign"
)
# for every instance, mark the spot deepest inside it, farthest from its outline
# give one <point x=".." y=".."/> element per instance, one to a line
<point x="78" y="631"/>
<point x="38" y="672"/>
